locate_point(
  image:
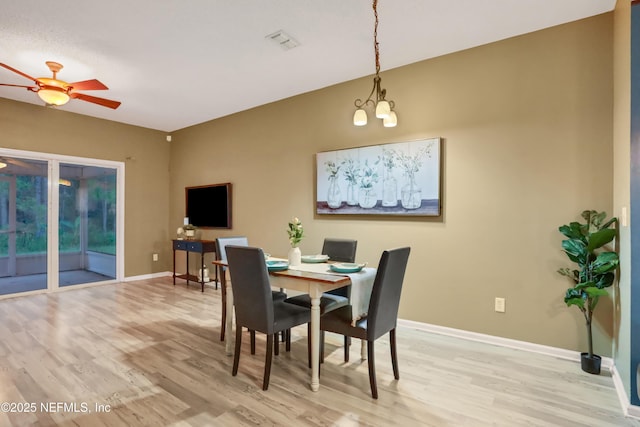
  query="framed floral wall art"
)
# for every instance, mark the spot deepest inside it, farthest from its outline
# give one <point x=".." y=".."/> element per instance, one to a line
<point x="390" y="179"/>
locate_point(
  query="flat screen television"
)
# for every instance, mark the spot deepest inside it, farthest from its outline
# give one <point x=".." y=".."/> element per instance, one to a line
<point x="209" y="206"/>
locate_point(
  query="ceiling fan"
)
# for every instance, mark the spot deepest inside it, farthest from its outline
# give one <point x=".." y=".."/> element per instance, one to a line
<point x="58" y="92"/>
<point x="8" y="161"/>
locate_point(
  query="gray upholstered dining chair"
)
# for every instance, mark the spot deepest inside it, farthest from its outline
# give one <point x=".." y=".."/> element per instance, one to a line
<point x="382" y="315"/>
<point x="255" y="307"/>
<point x="221" y="254"/>
<point x="341" y="250"/>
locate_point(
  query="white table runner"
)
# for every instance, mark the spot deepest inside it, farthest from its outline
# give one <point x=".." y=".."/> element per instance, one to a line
<point x="361" y="285"/>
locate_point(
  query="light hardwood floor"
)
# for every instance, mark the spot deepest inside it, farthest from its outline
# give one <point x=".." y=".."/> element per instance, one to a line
<point x="151" y="351"/>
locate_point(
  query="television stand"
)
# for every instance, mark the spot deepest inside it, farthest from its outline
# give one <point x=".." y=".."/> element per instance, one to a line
<point x="199" y="246"/>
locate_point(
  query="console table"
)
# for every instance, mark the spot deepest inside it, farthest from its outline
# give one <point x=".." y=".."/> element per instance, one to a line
<point x="199" y="246"/>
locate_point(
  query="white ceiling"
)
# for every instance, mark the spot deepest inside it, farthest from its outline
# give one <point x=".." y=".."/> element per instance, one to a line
<point x="176" y="63"/>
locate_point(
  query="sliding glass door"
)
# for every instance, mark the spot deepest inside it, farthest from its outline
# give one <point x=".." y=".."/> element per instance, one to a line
<point x="86" y="224"/>
<point x="59" y="222"/>
<point x="23" y="225"/>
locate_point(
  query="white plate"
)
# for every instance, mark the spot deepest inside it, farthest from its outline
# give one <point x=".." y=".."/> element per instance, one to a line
<point x="315" y="258"/>
<point x="346" y="267"/>
<point x="277" y="265"/>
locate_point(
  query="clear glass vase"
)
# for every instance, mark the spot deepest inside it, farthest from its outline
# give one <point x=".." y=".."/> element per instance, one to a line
<point x="368" y="198"/>
<point x="334" y="198"/>
<point x="411" y="195"/>
<point x="352" y="194"/>
<point x="389" y="191"/>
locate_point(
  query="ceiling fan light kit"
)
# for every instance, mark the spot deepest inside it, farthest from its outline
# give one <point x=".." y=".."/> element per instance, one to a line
<point x="58" y="92"/>
<point x="53" y="96"/>
<point x="377" y="96"/>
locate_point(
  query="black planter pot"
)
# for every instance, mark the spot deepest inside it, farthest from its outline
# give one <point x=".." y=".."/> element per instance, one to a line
<point x="590" y="364"/>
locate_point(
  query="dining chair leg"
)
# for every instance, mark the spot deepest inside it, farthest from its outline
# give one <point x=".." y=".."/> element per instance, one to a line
<point x="347" y="342"/>
<point x="322" y="346"/>
<point x="276" y="346"/>
<point x="372" y="370"/>
<point x="267" y="360"/>
<point x="288" y="340"/>
<point x="223" y="325"/>
<point x="223" y="293"/>
<point x="394" y="353"/>
<point x="236" y="354"/>
<point x="252" y="334"/>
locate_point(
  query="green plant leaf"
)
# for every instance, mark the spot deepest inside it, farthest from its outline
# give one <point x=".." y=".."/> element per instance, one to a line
<point x="573" y="231"/>
<point x="583" y="285"/>
<point x="572" y="274"/>
<point x="595" y="292"/>
<point x="576" y="250"/>
<point x="600" y="238"/>
<point x="608" y="223"/>
<point x="575" y="301"/>
<point x="604" y="280"/>
<point x="605" y="262"/>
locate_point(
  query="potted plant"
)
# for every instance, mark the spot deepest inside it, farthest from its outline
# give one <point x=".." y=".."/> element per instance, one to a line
<point x="295" y="232"/>
<point x="584" y="245"/>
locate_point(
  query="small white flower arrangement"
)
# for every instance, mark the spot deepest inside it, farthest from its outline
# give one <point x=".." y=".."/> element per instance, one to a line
<point x="295" y="232"/>
<point x="412" y="163"/>
<point x="368" y="175"/>
<point x="350" y="170"/>
<point x="332" y="169"/>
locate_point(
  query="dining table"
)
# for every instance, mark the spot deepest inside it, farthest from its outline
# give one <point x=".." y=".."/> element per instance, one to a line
<point x="313" y="279"/>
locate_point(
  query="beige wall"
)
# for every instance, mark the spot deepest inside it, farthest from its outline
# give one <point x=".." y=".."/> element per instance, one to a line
<point x="34" y="128"/>
<point x="527" y="124"/>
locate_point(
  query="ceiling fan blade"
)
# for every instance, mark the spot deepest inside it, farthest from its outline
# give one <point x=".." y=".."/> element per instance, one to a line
<point x="100" y="101"/>
<point x="19" y="163"/>
<point x="17" y="72"/>
<point x="88" y="85"/>
<point x="27" y="87"/>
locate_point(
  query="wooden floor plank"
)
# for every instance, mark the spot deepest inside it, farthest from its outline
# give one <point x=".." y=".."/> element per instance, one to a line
<point x="150" y="353"/>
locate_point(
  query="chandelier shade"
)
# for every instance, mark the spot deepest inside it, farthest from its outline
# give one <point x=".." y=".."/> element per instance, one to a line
<point x="391" y="121"/>
<point x="360" y="117"/>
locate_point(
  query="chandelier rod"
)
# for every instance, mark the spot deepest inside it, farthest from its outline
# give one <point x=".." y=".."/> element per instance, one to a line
<point x="375" y="36"/>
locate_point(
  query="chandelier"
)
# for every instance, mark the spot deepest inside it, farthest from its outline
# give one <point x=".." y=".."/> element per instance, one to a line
<point x="376" y="99"/>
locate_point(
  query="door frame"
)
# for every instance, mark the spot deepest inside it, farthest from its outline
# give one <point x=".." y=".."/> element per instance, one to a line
<point x="54" y="161"/>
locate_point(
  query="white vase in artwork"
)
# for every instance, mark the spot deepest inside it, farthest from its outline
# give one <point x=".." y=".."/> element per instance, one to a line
<point x="352" y="194"/>
<point x="411" y="194"/>
<point x="389" y="191"/>
<point x="334" y="198"/>
<point x="368" y="198"/>
<point x="295" y="256"/>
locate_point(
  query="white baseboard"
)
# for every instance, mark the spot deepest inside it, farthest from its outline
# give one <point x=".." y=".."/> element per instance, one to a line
<point x="607" y="362"/>
<point x="211" y="283"/>
<point x="147" y="276"/>
<point x="633" y="411"/>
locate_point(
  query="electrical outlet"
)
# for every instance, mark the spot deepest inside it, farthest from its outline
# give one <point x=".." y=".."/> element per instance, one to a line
<point x="155" y="257"/>
<point x="500" y="305"/>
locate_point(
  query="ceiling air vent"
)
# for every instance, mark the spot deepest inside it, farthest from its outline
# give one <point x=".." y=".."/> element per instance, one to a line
<point x="284" y="40"/>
